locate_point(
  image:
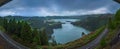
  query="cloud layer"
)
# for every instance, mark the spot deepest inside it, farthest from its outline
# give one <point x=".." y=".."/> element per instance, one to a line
<point x="58" y="7"/>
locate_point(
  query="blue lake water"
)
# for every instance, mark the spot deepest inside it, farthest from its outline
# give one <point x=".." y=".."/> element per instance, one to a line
<point x="68" y="32"/>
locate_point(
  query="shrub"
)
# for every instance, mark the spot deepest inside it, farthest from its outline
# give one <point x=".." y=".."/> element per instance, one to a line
<point x="103" y="43"/>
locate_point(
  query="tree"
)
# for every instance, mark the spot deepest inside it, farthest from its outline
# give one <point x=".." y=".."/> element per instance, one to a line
<point x="111" y="24"/>
<point x="23" y="31"/>
<point x="36" y="37"/>
<point x="18" y="28"/>
<point x="5" y="23"/>
<point x="26" y="32"/>
<point x="117" y="16"/>
<point x="44" y="38"/>
<point x="12" y="26"/>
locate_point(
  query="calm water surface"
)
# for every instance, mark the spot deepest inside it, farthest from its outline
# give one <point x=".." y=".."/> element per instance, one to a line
<point x="68" y="32"/>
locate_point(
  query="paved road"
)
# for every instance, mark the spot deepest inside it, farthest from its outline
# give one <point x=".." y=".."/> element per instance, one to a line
<point x="95" y="42"/>
<point x="11" y="42"/>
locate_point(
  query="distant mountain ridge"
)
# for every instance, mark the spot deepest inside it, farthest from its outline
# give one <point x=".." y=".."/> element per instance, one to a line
<point x="38" y="22"/>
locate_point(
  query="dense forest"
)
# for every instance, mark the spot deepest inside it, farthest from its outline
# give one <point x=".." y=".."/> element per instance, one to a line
<point x="22" y="32"/>
<point x="38" y="23"/>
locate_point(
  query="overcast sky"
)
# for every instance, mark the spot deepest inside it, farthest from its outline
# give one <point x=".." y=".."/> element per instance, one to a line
<point x="58" y="7"/>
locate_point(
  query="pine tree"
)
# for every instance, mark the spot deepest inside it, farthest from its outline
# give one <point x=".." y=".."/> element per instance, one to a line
<point x="44" y="38"/>
<point x="26" y="32"/>
<point x="36" y="35"/>
<point x="5" y="24"/>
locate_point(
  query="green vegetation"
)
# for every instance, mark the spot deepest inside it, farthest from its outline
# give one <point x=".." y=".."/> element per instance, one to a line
<point x="114" y="26"/>
<point x="22" y="32"/>
<point x="2" y="29"/>
<point x="94" y="22"/>
<point x="1" y="21"/>
<point x="38" y="23"/>
<point x="103" y="42"/>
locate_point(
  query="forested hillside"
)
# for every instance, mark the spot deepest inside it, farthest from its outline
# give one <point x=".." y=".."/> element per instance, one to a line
<point x="94" y="22"/>
<point x="22" y="32"/>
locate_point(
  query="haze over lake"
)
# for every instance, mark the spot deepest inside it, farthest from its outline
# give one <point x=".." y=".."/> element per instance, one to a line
<point x="68" y="32"/>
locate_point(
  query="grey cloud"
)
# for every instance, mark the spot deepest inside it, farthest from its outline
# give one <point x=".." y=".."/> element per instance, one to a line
<point x="59" y="5"/>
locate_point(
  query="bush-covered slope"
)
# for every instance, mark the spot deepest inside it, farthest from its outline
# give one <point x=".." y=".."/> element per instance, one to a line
<point x="112" y="38"/>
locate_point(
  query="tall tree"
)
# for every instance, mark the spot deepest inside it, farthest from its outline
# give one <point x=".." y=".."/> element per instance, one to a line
<point x="5" y="23"/>
<point x="26" y="32"/>
<point x="36" y="35"/>
<point x="44" y="37"/>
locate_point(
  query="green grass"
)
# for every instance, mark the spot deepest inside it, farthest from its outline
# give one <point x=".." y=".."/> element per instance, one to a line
<point x="2" y="29"/>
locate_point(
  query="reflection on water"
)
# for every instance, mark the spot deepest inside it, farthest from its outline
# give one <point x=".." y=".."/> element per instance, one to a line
<point x="68" y="32"/>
